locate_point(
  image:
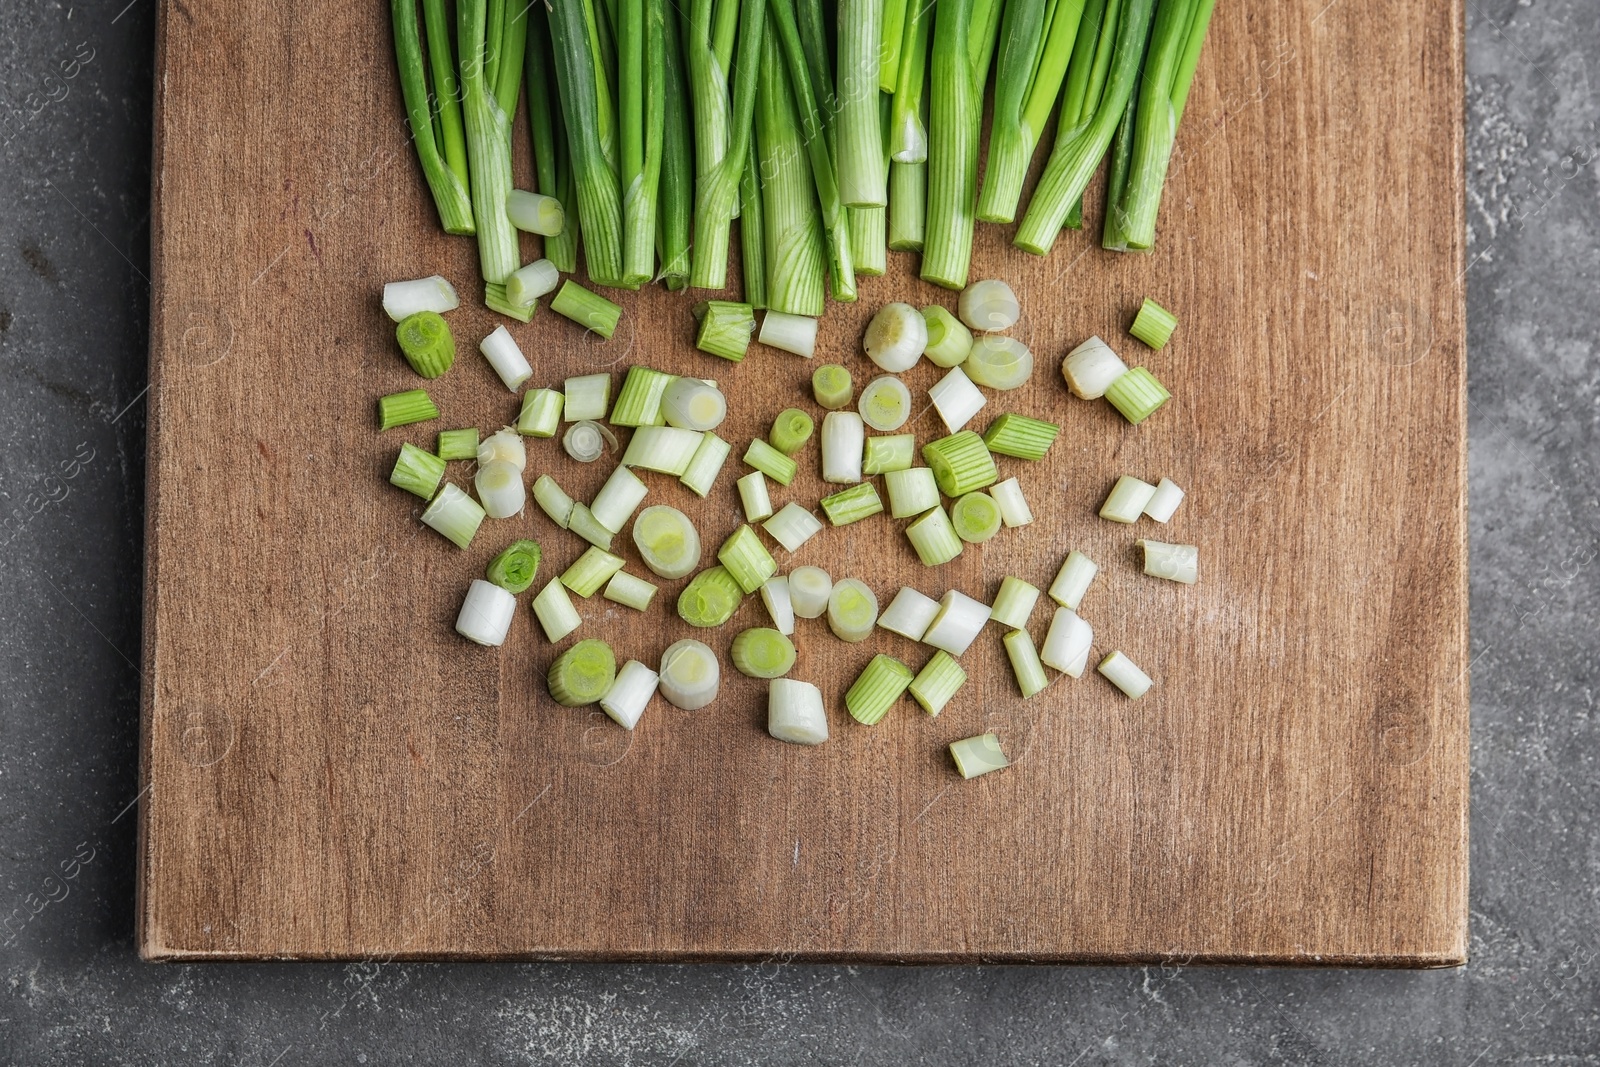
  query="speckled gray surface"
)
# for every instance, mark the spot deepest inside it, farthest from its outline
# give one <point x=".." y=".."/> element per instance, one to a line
<point x="74" y="151"/>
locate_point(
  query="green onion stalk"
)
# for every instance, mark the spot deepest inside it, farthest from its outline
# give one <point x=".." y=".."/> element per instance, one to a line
<point x="796" y="281"/>
<point x="893" y="38"/>
<point x="752" y="225"/>
<point x="1073" y="163"/>
<point x="717" y="187"/>
<point x="983" y="35"/>
<point x="1095" y="68"/>
<point x="641" y="90"/>
<point x="439" y="140"/>
<point x="675" y="195"/>
<point x="488" y="126"/>
<point x="908" y="134"/>
<point x="859" y="137"/>
<point x="591" y="133"/>
<point x="952" y="149"/>
<point x="708" y="91"/>
<point x="548" y="133"/>
<point x="1114" y="235"/>
<point x="869" y="226"/>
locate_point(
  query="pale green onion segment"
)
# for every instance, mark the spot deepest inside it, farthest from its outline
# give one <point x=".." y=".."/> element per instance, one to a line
<point x="747" y="559"/>
<point x="706" y="464"/>
<point x="586" y="441"/>
<point x="639" y="402"/>
<point x="853" y="504"/>
<point x="529" y="283"/>
<point x="831" y="386"/>
<point x="583" y="523"/>
<point x="979" y="755"/>
<point x="629" y="694"/>
<point x="663" y="449"/>
<point x="1025" y="663"/>
<point x="1014" y="510"/>
<point x="988" y="306"/>
<point x="403" y="409"/>
<point x="876" y="689"/>
<point x="582" y="674"/>
<point x="1125" y="675"/>
<point x="754" y="498"/>
<point x="843" y="439"/>
<point x="500" y="489"/>
<point x="976" y="517"/>
<point x="961" y="463"/>
<point x="425" y="341"/>
<point x="775" y="598"/>
<point x="809" y="590"/>
<point x="589" y="310"/>
<point x="958" y="623"/>
<point x="795" y="713"/>
<point x="1176" y="563"/>
<point x="896" y="337"/>
<point x="1013" y="605"/>
<point x="495" y="299"/>
<point x="859" y="132"/>
<point x="1020" y="436"/>
<point x="1066" y="646"/>
<point x="401" y="300"/>
<point x="506" y="358"/>
<point x="1164" y="501"/>
<point x="418" y="472"/>
<point x="791" y="333"/>
<point x="1090" y="369"/>
<point x="1137" y="395"/>
<point x="535" y="213"/>
<point x="793" y="526"/>
<point x="515" y="567"/>
<point x="630" y="591"/>
<point x="938" y="681"/>
<point x="554" y="610"/>
<point x="553" y="500"/>
<point x="590" y="571"/>
<point x="710" y="598"/>
<point x="790" y="431"/>
<point x="912" y="492"/>
<point x="725" y="328"/>
<point x="618" y="498"/>
<point x="454" y="514"/>
<point x="909" y="614"/>
<point x="667" y="541"/>
<point x="541" y="413"/>
<point x="457" y="444"/>
<point x="690" y="674"/>
<point x="691" y="404"/>
<point x="769" y="461"/>
<point x="1073" y="579"/>
<point x="999" y="362"/>
<point x="486" y="614"/>
<point x="956" y="399"/>
<point x="934" y="538"/>
<point x="1154" y="324"/>
<point x="949" y="340"/>
<point x="504" y="446"/>
<point x="761" y="652"/>
<point x="586" y="397"/>
<point x="1127" y="500"/>
<point x="885" y="454"/>
<point x="852" y="610"/>
<point x="885" y="403"/>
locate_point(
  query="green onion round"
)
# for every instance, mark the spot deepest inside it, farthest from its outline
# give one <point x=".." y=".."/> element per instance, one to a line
<point x="710" y="599"/>
<point x="976" y="517"/>
<point x="426" y="342"/>
<point x="790" y="431"/>
<point x="515" y="567"/>
<point x="582" y="674"/>
<point x="761" y="652"/>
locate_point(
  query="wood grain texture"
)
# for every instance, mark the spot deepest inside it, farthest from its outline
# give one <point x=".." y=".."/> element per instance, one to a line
<point x="334" y="774"/>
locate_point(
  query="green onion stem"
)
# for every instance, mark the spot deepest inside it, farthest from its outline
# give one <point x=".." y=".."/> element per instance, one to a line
<point x="1022" y="31"/>
<point x="726" y="326"/>
<point x="908" y="134"/>
<point x="586" y="104"/>
<point x="1114" y="232"/>
<point x="1137" y="394"/>
<point x="961" y="463"/>
<point x="952" y="149"/>
<point x="590" y="310"/>
<point x="641" y="98"/>
<point x="790" y="431"/>
<point x="1169" y="71"/>
<point x="417" y="472"/>
<point x="796" y="281"/>
<point x="675" y="195"/>
<point x="403" y="409"/>
<point x="426" y="343"/>
<point x="762" y="652"/>
<point x="446" y="172"/>
<point x="876" y="689"/>
<point x="717" y="187"/>
<point x="860" y="140"/>
<point x="908" y="206"/>
<point x="507" y="67"/>
<point x="548" y="133"/>
<point x="853" y="504"/>
<point x="894" y="16"/>
<point x="1077" y="103"/>
<point x="1020" y="436"/>
<point x="458" y="444"/>
<point x="710" y="598"/>
<point x="831" y="386"/>
<point x="1153" y="325"/>
<point x="488" y="148"/>
<point x="752" y="235"/>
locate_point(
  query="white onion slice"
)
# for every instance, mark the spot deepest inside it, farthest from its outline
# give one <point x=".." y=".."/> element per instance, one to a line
<point x="690" y="675"/>
<point x="989" y="305"/>
<point x="500" y="488"/>
<point x="401" y="300"/>
<point x="896" y="337"/>
<point x="486" y="614"/>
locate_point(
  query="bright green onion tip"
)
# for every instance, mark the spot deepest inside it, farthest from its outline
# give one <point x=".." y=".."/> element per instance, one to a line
<point x="726" y="327"/>
<point x="1137" y="395"/>
<point x="790" y="431"/>
<point x="515" y="567"/>
<point x="976" y="517"/>
<point x="769" y="461"/>
<point x="831" y="386"/>
<point x="747" y="559"/>
<point x="403" y="409"/>
<point x="961" y="463"/>
<point x="426" y="343"/>
<point x="417" y="471"/>
<point x="710" y="599"/>
<point x="495" y="299"/>
<point x="1020" y="437"/>
<point x="458" y="444"/>
<point x="589" y="310"/>
<point x="1154" y="324"/>
<point x="876" y="690"/>
<point x="853" y="504"/>
<point x="582" y="674"/>
<point x="762" y="652"/>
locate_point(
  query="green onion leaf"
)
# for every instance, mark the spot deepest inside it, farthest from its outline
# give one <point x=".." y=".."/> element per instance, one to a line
<point x="515" y="567"/>
<point x="403" y="409"/>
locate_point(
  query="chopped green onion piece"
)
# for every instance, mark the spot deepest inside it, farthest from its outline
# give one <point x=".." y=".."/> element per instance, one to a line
<point x="956" y="399"/>
<point x="417" y="471"/>
<point x="496" y="299"/>
<point x="843" y="441"/>
<point x="500" y="489"/>
<point x="1014" y="603"/>
<point x="1137" y="395"/>
<point x="976" y="517"/>
<point x="426" y="343"/>
<point x="557" y="617"/>
<point x="949" y="340"/>
<point x="458" y="444"/>
<point x="1125" y="675"/>
<point x="1153" y="325"/>
<point x="1164" y="503"/>
<point x="912" y="492"/>
<point x="795" y="713"/>
<point x="885" y="454"/>
<point x="586" y="441"/>
<point x="509" y="364"/>
<point x="1127" y="500"/>
<point x="1177" y="563"/>
<point x="831" y="386"/>
<point x="957" y="625"/>
<point x="809" y="589"/>
<point x="1014" y="510"/>
<point x="999" y="362"/>
<point x="505" y="446"/>
<point x="667" y="541"/>
<point x="760" y="652"/>
<point x="589" y="310"/>
<point x="583" y="523"/>
<point x="690" y="674"/>
<point x="747" y="559"/>
<point x="629" y="694"/>
<point x="909" y="614"/>
<point x="553" y="500"/>
<point x="590" y="571"/>
<point x="775" y="598"/>
<point x="582" y="674"/>
<point x="726" y="327"/>
<point x="535" y="213"/>
<point x="515" y="567"/>
<point x="710" y="598"/>
<point x="614" y="504"/>
<point x="954" y="130"/>
<point x="908" y="206"/>
<point x="876" y="689"/>
<point x="486" y="614"/>
<point x="937" y="682"/>
<point x="401" y="299"/>
<point x="988" y="306"/>
<point x="541" y="413"/>
<point x="706" y="464"/>
<point x="769" y="461"/>
<point x="885" y="403"/>
<point x="853" y="504"/>
<point x="639" y="402"/>
<point x="896" y="337"/>
<point x="1066" y="646"/>
<point x="790" y="333"/>
<point x="860" y="156"/>
<point x="586" y="397"/>
<point x="852" y="610"/>
<point x="753" y="496"/>
<point x="790" y="431"/>
<point x="1072" y="580"/>
<point x="793" y="526"/>
<point x="454" y="514"/>
<point x="1025" y="663"/>
<point x="691" y="404"/>
<point x="529" y="283"/>
<point x="979" y="755"/>
<point x="1090" y="369"/>
<point x="961" y="463"/>
<point x="403" y="409"/>
<point x="1020" y="436"/>
<point x="664" y="449"/>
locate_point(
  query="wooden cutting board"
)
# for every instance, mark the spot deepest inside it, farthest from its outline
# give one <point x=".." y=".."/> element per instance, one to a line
<point x="333" y="773"/>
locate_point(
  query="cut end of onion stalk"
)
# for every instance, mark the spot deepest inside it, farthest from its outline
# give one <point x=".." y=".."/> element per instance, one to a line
<point x="582" y="674"/>
<point x="1090" y="369"/>
<point x="486" y="614"/>
<point x="831" y="386"/>
<point x="690" y="675"/>
<point x="790" y="431"/>
<point x="852" y="610"/>
<point x="454" y="514"/>
<point x="999" y="362"/>
<point x="515" y="567"/>
<point x="795" y="713"/>
<point x="691" y="404"/>
<point x="791" y="333"/>
<point x="988" y="306"/>
<point x="938" y="681"/>
<point x="1066" y="646"/>
<point x="979" y="755"/>
<point x="885" y="403"/>
<point x="809" y="590"/>
<point x="949" y="340"/>
<point x="1127" y="499"/>
<point x="775" y="597"/>
<point x="876" y="689"/>
<point x="504" y="446"/>
<point x="499" y="486"/>
<point x="630" y="694"/>
<point x="529" y="283"/>
<point x="909" y="614"/>
<point x="1164" y="502"/>
<point x="667" y="541"/>
<point x="957" y="625"/>
<point x="843" y="440"/>
<point x="1176" y="563"/>
<point x="535" y="213"/>
<point x="1125" y="675"/>
<point x="710" y="598"/>
<point x="762" y="652"/>
<point x="506" y="358"/>
<point x="896" y="337"/>
<point x="586" y="441"/>
<point x="956" y="399"/>
<point x="425" y="341"/>
<point x="1072" y="580"/>
<point x="417" y="472"/>
<point x="401" y="300"/>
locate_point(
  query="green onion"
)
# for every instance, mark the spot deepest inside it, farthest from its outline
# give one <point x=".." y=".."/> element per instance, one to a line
<point x="504" y="445"/>
<point x="1125" y="675"/>
<point x="553" y="500"/>
<point x="582" y="674"/>
<point x="488" y="130"/>
<point x="769" y="461"/>
<point x="1114" y="235"/>
<point x="583" y="523"/>
<point x="937" y="682"/>
<point x="1137" y="395"/>
<point x="675" y="198"/>
<point x="515" y="567"/>
<point x="949" y="340"/>
<point x="1090" y="369"/>
<point x="591" y="136"/>
<point x="989" y="305"/>
<point x="614" y="504"/>
<point x="710" y="599"/>
<point x="852" y="610"/>
<point x="663" y="449"/>
<point x="458" y="444"/>
<point x="884" y="454"/>
<point x="403" y="409"/>
<point x="956" y="399"/>
<point x="557" y="617"/>
<point x="976" y="756"/>
<point x="690" y="674"/>
<point x="496" y="299"/>
<point x="1025" y="663"/>
<point x="954" y="130"/>
<point x="1176" y="563"/>
<point x="630" y="694"/>
<point x="809" y="590"/>
<point x="760" y="652"/>
<point x="444" y="162"/>
<point x="1014" y="510"/>
<point x="705" y="464"/>
<point x="843" y="441"/>
<point x="975" y="517"/>
<point x="639" y="401"/>
<point x="869" y="239"/>
<point x="792" y="333"/>
<point x="589" y="310"/>
<point x="893" y="16"/>
<point x="853" y="504"/>
<point x="1072" y="580"/>
<point x="590" y="571"/>
<point x="667" y="541"/>
<point x="908" y="135"/>
<point x="500" y="489"/>
<point x="960" y="463"/>
<point x="753" y="497"/>
<point x="1066" y="646"/>
<point x="912" y="492"/>
<point x="792" y="236"/>
<point x="1014" y="603"/>
<point x="535" y="213"/>
<point x="549" y="138"/>
<point x="725" y="328"/>
<point x="530" y="282"/>
<point x="934" y="538"/>
<point x="1127" y="500"/>
<point x="454" y="514"/>
<point x="909" y="614"/>
<point x="486" y="614"/>
<point x="790" y="431"/>
<point x="1153" y="325"/>
<point x="984" y="37"/>
<point x="1096" y="36"/>
<point x="541" y="413"/>
<point x="908" y="206"/>
<point x="1022" y="31"/>
<point x="831" y="386"/>
<point x="417" y="471"/>
<point x="747" y="559"/>
<point x="876" y="689"/>
<point x="586" y="441"/>
<point x="886" y="402"/>
<point x="586" y="397"/>
<point x="860" y="167"/>
<point x="692" y="404"/>
<point x="509" y="364"/>
<point x="402" y="299"/>
<point x="958" y="623"/>
<point x="795" y="713"/>
<point x="717" y="183"/>
<point x="793" y="526"/>
<point x="641" y="87"/>
<point x="1164" y="503"/>
<point x="1020" y="436"/>
<point x="629" y="591"/>
<point x="752" y="233"/>
<point x="999" y="362"/>
<point x="427" y="345"/>
<point x="775" y="598"/>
